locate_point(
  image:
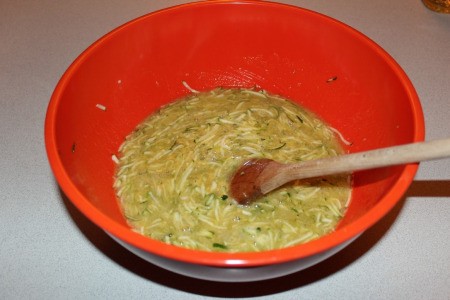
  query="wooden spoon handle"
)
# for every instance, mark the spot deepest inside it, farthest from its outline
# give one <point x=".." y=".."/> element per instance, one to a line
<point x="372" y="159"/>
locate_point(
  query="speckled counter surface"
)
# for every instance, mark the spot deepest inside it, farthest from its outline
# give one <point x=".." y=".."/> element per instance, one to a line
<point x="48" y="250"/>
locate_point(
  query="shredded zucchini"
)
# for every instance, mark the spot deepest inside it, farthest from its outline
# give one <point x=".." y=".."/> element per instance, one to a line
<point x="173" y="173"/>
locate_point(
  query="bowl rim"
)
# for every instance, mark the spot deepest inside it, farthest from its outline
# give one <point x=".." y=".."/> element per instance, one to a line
<point x="222" y="259"/>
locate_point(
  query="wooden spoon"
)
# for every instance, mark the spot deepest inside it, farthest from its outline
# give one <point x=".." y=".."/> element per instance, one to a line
<point x="257" y="177"/>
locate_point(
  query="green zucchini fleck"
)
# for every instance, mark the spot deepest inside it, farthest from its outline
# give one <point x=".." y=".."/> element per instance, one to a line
<point x="221" y="246"/>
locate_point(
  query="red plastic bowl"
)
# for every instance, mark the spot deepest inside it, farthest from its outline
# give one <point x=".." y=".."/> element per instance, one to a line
<point x="319" y="62"/>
